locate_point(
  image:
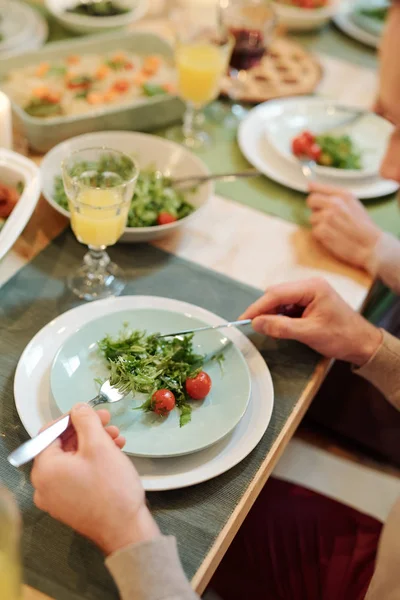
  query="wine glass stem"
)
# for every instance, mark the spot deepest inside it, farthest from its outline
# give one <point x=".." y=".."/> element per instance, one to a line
<point x="188" y="121"/>
<point x="97" y="258"/>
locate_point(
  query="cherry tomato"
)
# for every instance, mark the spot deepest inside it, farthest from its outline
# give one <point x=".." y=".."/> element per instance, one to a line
<point x="199" y="387"/>
<point x="315" y="152"/>
<point x="165" y="217"/>
<point x="298" y="146"/>
<point x="162" y="402"/>
<point x="308" y="136"/>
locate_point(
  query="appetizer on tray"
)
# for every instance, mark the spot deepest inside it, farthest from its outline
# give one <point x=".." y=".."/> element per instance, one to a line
<point x="78" y="84"/>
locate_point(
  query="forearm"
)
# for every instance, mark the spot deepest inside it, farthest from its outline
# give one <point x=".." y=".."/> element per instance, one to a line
<point x="150" y="571"/>
<point x="383" y="369"/>
<point x="385" y="261"/>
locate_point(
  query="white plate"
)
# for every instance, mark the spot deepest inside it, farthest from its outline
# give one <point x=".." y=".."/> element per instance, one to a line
<point x="295" y="18"/>
<point x="36" y="407"/>
<point x="344" y="22"/>
<point x="370" y="133"/>
<point x="261" y="154"/>
<point x="15" y="168"/>
<point x="148" y="150"/>
<point x="34" y="33"/>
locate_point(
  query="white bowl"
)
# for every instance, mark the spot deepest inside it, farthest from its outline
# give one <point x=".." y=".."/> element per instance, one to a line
<point x="304" y="19"/>
<point x="148" y="150"/>
<point x="13" y="169"/>
<point x="370" y="133"/>
<point x="85" y="24"/>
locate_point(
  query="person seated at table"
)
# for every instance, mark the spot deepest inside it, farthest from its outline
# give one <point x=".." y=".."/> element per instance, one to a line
<point x="294" y="543"/>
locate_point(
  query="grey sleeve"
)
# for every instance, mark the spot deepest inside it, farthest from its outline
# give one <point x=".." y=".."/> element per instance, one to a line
<point x="150" y="571"/>
<point x="383" y="369"/>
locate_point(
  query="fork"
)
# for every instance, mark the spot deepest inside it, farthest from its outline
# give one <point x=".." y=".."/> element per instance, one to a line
<point x="30" y="449"/>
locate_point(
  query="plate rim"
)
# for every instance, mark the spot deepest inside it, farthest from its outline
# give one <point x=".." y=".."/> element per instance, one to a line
<point x="343" y="21"/>
<point x="243" y="440"/>
<point x="145" y="455"/>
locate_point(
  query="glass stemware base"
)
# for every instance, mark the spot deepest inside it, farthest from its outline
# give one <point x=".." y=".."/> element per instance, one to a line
<point x="194" y="140"/>
<point x="97" y="277"/>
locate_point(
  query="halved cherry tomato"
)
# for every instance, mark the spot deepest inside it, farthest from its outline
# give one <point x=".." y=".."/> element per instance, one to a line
<point x="162" y="402"/>
<point x="308" y="136"/>
<point x="315" y="152"/>
<point x="165" y="217"/>
<point x="199" y="387"/>
<point x="299" y="146"/>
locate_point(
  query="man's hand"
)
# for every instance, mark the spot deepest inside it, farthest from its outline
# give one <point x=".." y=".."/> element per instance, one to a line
<point x="328" y="324"/>
<point x="342" y="225"/>
<point x="90" y="485"/>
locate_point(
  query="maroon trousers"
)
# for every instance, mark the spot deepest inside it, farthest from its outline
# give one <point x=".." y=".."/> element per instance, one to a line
<point x="299" y="545"/>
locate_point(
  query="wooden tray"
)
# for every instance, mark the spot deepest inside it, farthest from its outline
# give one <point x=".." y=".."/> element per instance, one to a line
<point x="286" y="70"/>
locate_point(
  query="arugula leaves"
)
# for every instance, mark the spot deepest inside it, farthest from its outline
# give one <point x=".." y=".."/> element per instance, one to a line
<point x="147" y="363"/>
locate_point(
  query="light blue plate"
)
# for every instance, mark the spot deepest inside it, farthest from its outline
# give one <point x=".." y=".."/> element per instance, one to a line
<point x="78" y="363"/>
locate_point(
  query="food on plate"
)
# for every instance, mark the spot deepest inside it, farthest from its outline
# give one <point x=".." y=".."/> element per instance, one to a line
<point x="9" y="197"/>
<point x="328" y="150"/>
<point x="98" y="8"/>
<point x="309" y="4"/>
<point x="166" y="369"/>
<point x="78" y="84"/>
<point x="378" y="13"/>
<point x="154" y="202"/>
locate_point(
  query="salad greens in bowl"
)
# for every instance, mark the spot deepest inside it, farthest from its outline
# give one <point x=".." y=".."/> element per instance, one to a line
<point x="157" y="208"/>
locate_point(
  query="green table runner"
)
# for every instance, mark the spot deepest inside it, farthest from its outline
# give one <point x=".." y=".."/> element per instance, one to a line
<point x="58" y="561"/>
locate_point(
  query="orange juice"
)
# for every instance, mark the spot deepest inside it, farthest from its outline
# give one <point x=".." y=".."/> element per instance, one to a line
<point x="98" y="217"/>
<point x="200" y="67"/>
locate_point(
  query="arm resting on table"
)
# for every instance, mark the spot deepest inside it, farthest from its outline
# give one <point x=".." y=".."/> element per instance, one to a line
<point x="383" y="369"/>
<point x="150" y="571"/>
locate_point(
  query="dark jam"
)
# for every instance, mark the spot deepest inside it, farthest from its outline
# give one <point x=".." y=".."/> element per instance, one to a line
<point x="248" y="50"/>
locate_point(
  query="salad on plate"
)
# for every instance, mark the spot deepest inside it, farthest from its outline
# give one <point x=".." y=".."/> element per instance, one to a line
<point x="166" y="369"/>
<point x="328" y="150"/>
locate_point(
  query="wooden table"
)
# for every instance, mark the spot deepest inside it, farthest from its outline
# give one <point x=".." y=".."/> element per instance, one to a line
<point x="260" y="251"/>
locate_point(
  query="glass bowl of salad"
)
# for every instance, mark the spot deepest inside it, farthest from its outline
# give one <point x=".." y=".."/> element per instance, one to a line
<point x="304" y="15"/>
<point x="96" y="16"/>
<point x="158" y="207"/>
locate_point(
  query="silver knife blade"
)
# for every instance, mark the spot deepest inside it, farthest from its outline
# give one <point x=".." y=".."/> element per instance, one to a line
<point x="208" y="328"/>
<point x="30" y="449"/>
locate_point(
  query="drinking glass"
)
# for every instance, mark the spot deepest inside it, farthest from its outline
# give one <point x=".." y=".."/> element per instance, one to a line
<point x="10" y="560"/>
<point x="99" y="183"/>
<point x="202" y="54"/>
<point x="252" y="23"/>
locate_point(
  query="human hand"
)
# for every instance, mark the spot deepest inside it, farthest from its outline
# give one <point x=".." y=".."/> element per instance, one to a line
<point x="328" y="324"/>
<point x="90" y="485"/>
<point x="342" y="225"/>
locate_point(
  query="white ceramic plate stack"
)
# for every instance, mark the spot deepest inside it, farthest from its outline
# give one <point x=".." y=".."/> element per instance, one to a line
<point x="15" y="168"/>
<point x="224" y="429"/>
<point x="22" y="28"/>
<point x="266" y="133"/>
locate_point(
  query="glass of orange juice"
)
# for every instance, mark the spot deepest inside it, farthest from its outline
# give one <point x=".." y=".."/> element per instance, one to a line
<point x="202" y="54"/>
<point x="99" y="183"/>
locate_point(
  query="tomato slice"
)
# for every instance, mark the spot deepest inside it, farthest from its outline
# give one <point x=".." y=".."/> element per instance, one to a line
<point x="162" y="402"/>
<point x="164" y="218"/>
<point x="298" y="146"/>
<point x="199" y="387"/>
